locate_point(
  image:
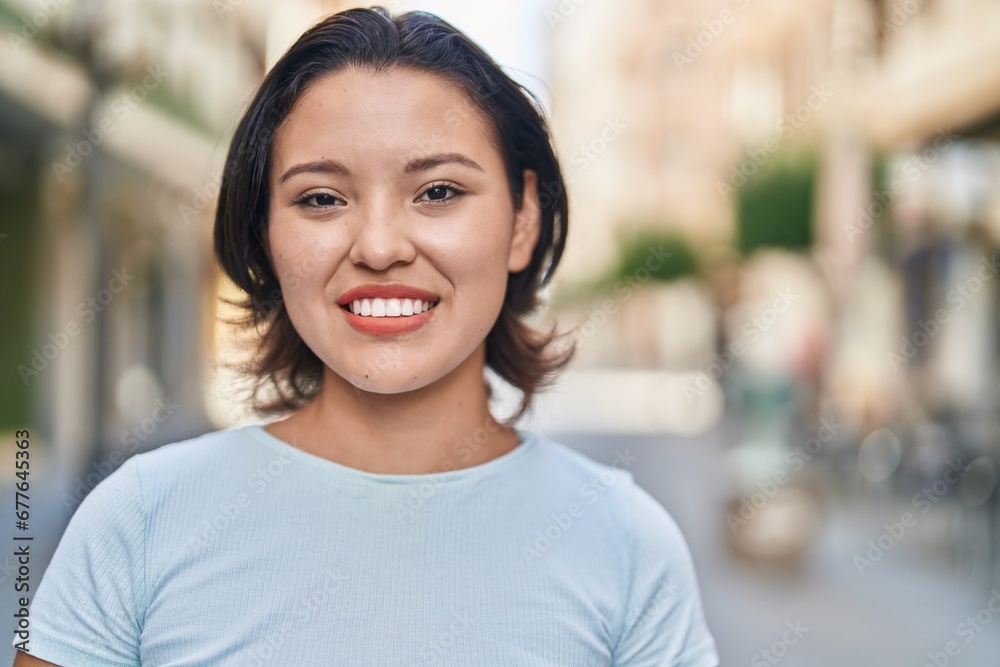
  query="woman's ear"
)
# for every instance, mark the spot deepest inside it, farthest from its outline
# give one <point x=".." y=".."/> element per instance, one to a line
<point x="527" y="225"/>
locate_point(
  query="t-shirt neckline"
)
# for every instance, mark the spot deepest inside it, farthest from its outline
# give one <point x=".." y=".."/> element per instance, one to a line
<point x="528" y="440"/>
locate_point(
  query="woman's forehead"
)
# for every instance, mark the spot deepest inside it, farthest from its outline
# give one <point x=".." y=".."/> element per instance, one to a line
<point x="397" y="111"/>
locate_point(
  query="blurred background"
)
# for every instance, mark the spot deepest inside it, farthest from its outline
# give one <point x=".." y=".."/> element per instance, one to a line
<point x="781" y="274"/>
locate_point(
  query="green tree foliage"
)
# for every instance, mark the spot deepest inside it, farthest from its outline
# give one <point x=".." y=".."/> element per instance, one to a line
<point x="774" y="208"/>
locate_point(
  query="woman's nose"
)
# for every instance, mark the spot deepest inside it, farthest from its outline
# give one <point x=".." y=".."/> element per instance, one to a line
<point x="379" y="236"/>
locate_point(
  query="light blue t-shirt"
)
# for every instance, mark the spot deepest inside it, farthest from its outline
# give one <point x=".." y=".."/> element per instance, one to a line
<point x="236" y="548"/>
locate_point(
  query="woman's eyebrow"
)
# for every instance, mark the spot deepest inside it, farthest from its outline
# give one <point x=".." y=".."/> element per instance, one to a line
<point x="431" y="161"/>
<point x="329" y="166"/>
<point x="317" y="167"/>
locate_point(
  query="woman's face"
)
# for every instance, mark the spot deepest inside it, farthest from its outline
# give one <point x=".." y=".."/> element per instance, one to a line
<point x="391" y="180"/>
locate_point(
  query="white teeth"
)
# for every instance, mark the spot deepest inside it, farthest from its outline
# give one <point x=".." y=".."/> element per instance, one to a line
<point x="389" y="307"/>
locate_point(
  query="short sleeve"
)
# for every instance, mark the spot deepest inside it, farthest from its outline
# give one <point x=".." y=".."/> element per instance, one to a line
<point x="663" y="624"/>
<point x="88" y="608"/>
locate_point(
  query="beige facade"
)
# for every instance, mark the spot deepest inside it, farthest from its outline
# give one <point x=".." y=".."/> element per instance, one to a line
<point x="706" y="89"/>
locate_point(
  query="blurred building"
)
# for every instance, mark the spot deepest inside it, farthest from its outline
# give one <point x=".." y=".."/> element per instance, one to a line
<point x="664" y="109"/>
<point x="660" y="105"/>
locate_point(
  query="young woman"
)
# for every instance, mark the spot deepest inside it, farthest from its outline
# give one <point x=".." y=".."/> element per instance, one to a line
<point x="391" y="206"/>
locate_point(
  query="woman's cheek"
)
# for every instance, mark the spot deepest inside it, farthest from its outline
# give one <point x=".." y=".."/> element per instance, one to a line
<point x="304" y="261"/>
<point x="483" y="251"/>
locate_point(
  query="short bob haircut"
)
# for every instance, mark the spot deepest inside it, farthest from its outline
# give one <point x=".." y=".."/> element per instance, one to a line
<point x="374" y="40"/>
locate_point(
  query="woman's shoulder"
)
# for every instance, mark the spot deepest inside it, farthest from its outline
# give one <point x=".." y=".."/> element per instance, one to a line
<point x="197" y="448"/>
<point x="571" y="463"/>
<point x="608" y="490"/>
<point x="645" y="521"/>
<point x="178" y="459"/>
<point x="205" y="464"/>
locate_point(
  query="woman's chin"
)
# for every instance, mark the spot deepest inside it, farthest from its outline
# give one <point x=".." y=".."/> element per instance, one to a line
<point x="391" y="372"/>
<point x="386" y="382"/>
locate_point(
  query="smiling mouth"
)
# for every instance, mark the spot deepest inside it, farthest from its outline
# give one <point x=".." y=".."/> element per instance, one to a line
<point x="377" y="307"/>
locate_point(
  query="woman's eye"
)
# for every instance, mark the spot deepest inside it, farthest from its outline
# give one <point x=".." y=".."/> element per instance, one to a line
<point x="317" y="200"/>
<point x="439" y="193"/>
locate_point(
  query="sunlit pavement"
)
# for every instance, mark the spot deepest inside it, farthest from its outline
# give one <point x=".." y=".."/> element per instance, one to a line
<point x="905" y="610"/>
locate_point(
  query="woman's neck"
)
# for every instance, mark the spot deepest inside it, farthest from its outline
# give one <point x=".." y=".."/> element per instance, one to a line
<point x="444" y="426"/>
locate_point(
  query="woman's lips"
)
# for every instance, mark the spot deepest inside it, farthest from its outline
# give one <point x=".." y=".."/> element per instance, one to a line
<point x="387" y="325"/>
<point x="385" y="291"/>
<point x="392" y="307"/>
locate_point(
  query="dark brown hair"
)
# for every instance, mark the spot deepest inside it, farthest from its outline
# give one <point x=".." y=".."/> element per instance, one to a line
<point x="374" y="40"/>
